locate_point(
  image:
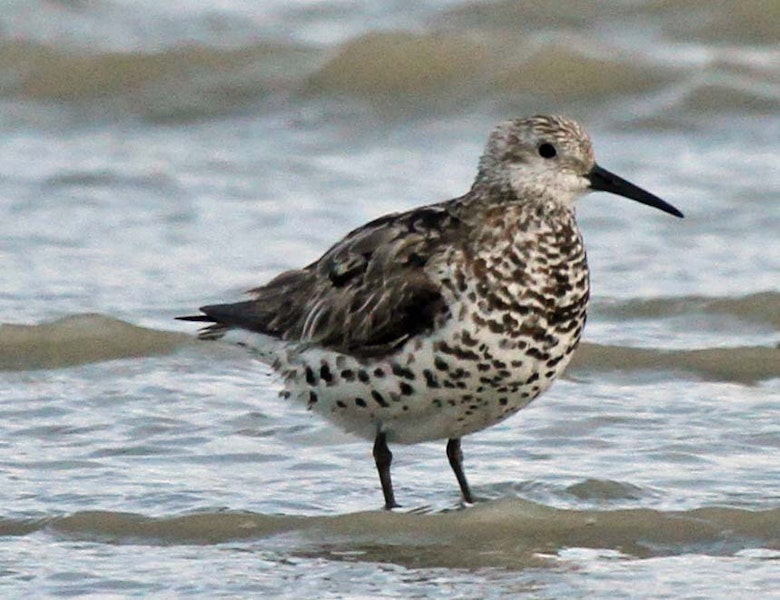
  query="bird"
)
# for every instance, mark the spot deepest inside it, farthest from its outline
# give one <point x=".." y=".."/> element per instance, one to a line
<point x="443" y="320"/>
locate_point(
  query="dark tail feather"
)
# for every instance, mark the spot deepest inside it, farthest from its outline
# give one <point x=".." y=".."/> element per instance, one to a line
<point x="213" y="331"/>
<point x="201" y="318"/>
<point x="222" y="317"/>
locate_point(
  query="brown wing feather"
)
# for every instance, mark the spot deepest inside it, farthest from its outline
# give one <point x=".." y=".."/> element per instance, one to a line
<point x="366" y="296"/>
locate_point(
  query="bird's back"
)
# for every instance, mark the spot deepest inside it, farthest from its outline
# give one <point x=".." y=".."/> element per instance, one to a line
<point x="366" y="296"/>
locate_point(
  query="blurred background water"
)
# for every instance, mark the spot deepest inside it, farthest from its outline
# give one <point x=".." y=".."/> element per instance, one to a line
<point x="155" y="157"/>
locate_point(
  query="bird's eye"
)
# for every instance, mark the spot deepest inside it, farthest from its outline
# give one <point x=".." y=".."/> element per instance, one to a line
<point x="547" y="150"/>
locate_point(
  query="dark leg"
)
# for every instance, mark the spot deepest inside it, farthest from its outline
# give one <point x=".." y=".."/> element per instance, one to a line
<point x="383" y="458"/>
<point x="455" y="454"/>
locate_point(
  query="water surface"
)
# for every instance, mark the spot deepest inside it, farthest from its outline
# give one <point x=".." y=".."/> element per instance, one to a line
<point x="160" y="156"/>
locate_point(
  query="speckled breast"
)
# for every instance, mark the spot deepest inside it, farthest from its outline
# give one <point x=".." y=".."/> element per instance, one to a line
<point x="518" y="310"/>
<point x="516" y="313"/>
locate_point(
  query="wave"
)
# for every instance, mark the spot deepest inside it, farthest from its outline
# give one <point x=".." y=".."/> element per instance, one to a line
<point x="90" y="338"/>
<point x="438" y="69"/>
<point x="384" y="65"/>
<point x="761" y="308"/>
<point x="182" y="82"/>
<point x="756" y="22"/>
<point x="504" y="533"/>
<point x="744" y="364"/>
<point x="80" y="339"/>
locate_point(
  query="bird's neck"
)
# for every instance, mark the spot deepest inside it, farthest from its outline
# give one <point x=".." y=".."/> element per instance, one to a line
<point x="489" y="200"/>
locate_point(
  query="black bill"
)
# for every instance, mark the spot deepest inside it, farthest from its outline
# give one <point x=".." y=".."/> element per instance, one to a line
<point x="603" y="181"/>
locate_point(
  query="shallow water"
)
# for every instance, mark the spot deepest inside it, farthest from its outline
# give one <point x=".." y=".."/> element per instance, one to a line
<point x="156" y="160"/>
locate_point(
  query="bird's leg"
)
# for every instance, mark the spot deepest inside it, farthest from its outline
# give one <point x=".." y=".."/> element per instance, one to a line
<point x="384" y="458"/>
<point x="455" y="454"/>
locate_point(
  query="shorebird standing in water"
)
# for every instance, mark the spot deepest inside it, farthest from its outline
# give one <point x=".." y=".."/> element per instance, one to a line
<point x="446" y="319"/>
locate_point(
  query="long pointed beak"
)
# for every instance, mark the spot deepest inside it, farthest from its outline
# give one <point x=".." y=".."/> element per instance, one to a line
<point x="604" y="181"/>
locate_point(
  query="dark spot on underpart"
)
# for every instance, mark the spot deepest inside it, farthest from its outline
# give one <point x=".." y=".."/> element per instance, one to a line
<point x="430" y="379"/>
<point x="440" y="364"/>
<point x="325" y="373"/>
<point x="310" y="378"/>
<point x="537" y="354"/>
<point x="360" y="402"/>
<point x="400" y="371"/>
<point x="458" y="352"/>
<point x="378" y="398"/>
<point x="467" y="339"/>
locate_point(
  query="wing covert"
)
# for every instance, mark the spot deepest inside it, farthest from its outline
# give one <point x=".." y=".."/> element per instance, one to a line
<point x="366" y="296"/>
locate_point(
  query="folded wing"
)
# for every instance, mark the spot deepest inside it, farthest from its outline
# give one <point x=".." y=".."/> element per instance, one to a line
<point x="366" y="296"/>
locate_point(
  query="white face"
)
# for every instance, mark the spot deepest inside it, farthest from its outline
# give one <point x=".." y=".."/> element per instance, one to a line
<point x="555" y="179"/>
<point x="548" y="161"/>
<point x="541" y="157"/>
